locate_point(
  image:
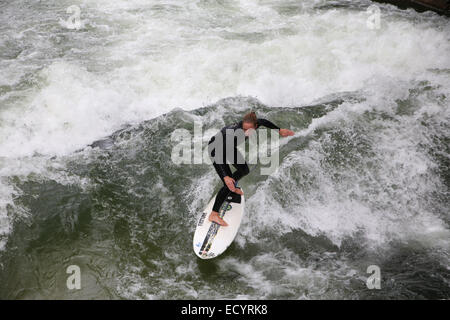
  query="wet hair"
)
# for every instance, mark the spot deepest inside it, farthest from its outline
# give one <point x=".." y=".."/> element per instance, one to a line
<point x="251" y="117"/>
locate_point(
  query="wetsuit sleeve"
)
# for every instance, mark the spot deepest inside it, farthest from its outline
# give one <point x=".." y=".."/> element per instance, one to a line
<point x="268" y="124"/>
<point x="220" y="168"/>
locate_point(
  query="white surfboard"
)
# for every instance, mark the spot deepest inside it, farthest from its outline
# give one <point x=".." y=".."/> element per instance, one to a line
<point x="211" y="239"/>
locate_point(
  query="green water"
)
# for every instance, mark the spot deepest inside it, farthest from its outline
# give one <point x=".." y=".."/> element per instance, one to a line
<point x="87" y="178"/>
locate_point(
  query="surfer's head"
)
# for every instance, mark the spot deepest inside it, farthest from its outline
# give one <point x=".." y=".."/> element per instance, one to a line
<point x="249" y="122"/>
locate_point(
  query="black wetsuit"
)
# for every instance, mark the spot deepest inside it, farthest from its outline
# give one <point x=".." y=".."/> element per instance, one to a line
<point x="233" y="156"/>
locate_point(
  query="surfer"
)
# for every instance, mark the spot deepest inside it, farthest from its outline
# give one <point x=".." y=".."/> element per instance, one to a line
<point x="223" y="147"/>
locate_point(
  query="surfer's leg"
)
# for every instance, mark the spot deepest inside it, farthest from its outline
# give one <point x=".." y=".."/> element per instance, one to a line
<point x="241" y="169"/>
<point x="221" y="195"/>
<point x="220" y="198"/>
<point x="224" y="191"/>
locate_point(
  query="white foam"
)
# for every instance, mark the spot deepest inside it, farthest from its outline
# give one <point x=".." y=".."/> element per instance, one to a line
<point x="385" y="196"/>
<point x="335" y="53"/>
<point x="146" y="62"/>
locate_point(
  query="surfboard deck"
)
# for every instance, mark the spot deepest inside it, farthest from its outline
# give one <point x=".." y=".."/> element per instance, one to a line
<point x="211" y="239"/>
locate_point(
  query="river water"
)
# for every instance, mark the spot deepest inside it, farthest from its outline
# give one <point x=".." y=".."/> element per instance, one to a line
<point x="88" y="106"/>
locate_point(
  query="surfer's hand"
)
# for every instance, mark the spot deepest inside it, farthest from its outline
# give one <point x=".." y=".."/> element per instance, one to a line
<point x="230" y="183"/>
<point x="286" y="132"/>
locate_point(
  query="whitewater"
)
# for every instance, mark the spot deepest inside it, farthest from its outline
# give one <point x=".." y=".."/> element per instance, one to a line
<point x="86" y="177"/>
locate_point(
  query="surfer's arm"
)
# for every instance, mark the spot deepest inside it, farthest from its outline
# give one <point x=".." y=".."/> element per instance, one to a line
<point x="229" y="181"/>
<point x="221" y="170"/>
<point x="268" y="124"/>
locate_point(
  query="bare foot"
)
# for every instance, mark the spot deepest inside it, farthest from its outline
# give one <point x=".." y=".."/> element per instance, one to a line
<point x="239" y="191"/>
<point x="214" y="217"/>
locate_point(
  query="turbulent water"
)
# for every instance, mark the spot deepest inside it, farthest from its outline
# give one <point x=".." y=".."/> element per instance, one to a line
<point x="86" y="176"/>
